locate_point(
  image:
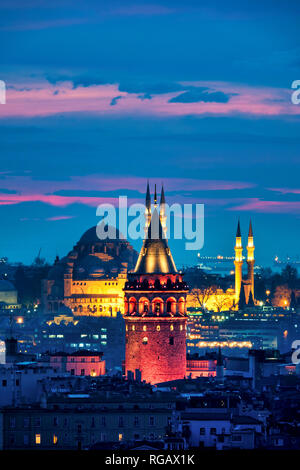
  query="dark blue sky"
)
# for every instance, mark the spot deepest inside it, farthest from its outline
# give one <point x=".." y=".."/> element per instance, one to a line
<point x="103" y="95"/>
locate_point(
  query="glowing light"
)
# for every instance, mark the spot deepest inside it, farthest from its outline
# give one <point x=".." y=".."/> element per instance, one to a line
<point x="20" y="320"/>
<point x="55" y="439"/>
<point x="37" y="439"/>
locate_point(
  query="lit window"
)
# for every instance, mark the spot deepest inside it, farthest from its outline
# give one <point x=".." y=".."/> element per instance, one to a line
<point x="145" y="340"/>
<point x="37" y="439"/>
<point x="144" y="328"/>
<point x="171" y="327"/>
<point x="158" y="328"/>
<point x="54" y="439"/>
<point x="133" y="327"/>
<point x="120" y="436"/>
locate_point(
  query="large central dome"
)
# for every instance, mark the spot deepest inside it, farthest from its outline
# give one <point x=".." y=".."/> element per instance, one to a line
<point x="90" y="236"/>
<point x="93" y="258"/>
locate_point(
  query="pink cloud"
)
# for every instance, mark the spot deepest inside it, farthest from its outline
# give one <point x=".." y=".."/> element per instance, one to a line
<point x="60" y="217"/>
<point x="286" y="190"/>
<point x="47" y="99"/>
<point x="273" y="207"/>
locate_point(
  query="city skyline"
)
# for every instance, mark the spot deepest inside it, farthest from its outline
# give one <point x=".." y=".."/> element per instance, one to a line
<point x="198" y="97"/>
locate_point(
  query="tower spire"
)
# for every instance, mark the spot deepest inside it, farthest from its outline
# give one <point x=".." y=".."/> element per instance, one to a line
<point x="155" y="197"/>
<point x="162" y="210"/>
<point x="148" y="208"/>
<point x="148" y="197"/>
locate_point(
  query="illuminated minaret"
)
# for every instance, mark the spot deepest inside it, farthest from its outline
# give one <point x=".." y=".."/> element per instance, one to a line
<point x="162" y="211"/>
<point x="250" y="259"/>
<point x="148" y="209"/>
<point x="238" y="262"/>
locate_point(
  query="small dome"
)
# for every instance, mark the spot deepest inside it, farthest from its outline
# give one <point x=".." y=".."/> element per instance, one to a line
<point x="6" y="286"/>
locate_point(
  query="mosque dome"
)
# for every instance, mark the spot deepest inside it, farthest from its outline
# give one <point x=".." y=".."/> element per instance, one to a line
<point x="91" y="237"/>
<point x="6" y="286"/>
<point x="93" y="258"/>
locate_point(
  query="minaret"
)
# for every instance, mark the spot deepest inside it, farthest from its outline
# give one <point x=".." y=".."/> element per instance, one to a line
<point x="162" y="211"/>
<point x="238" y="262"/>
<point x="148" y="208"/>
<point x="250" y="259"/>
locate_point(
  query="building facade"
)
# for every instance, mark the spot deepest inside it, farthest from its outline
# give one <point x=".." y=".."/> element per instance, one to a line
<point x="89" y="281"/>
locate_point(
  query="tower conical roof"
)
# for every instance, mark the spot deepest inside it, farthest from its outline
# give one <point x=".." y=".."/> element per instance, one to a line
<point x="155" y="256"/>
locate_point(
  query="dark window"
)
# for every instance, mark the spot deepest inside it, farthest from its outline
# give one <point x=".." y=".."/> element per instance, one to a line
<point x="82" y="372"/>
<point x="202" y="431"/>
<point x="213" y="431"/>
<point x="151" y="420"/>
<point x="171" y="340"/>
<point x="72" y="371"/>
<point x="4" y="383"/>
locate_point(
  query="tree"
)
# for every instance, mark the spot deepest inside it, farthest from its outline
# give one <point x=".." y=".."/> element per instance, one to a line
<point x="289" y="276"/>
<point x="293" y="301"/>
<point x="201" y="296"/>
<point x="222" y="302"/>
<point x="282" y="296"/>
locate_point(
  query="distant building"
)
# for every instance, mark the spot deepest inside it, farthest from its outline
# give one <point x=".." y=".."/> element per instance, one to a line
<point x="91" y="278"/>
<point x="83" y="363"/>
<point x="8" y="295"/>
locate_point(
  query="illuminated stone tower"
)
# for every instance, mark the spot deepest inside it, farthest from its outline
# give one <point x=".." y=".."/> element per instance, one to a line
<point x="155" y="308"/>
<point x="250" y="259"/>
<point x="238" y="262"/>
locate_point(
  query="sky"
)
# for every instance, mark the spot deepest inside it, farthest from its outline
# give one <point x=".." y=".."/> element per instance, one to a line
<point x="102" y="96"/>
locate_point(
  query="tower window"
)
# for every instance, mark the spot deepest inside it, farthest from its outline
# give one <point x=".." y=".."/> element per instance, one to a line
<point x="171" y="340"/>
<point x="133" y="327"/>
<point x="171" y="327"/>
<point x="144" y="328"/>
<point x="145" y="340"/>
<point x="158" y="328"/>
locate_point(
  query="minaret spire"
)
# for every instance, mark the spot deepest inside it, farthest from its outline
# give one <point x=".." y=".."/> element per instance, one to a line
<point x="250" y="258"/>
<point x="238" y="262"/>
